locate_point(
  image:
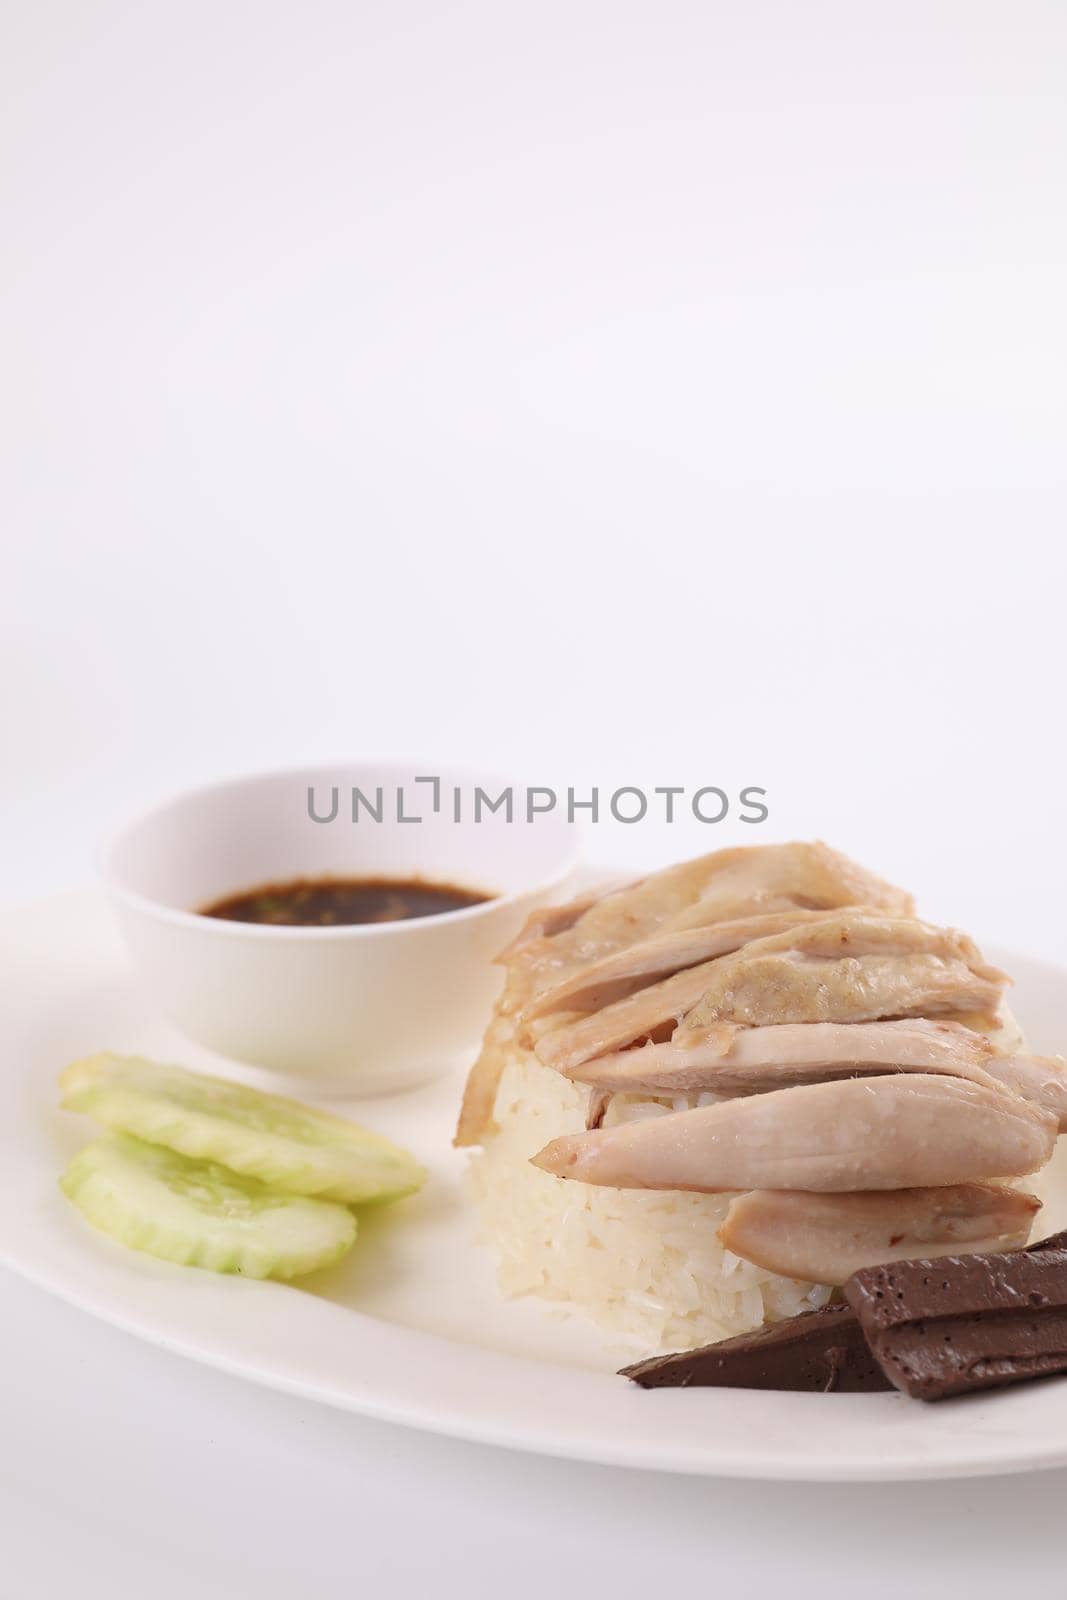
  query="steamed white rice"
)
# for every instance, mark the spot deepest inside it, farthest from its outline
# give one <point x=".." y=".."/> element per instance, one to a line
<point x="643" y="1264"/>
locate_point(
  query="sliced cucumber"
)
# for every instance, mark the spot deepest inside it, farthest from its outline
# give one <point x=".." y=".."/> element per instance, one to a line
<point x="282" y="1143"/>
<point x="199" y="1214"/>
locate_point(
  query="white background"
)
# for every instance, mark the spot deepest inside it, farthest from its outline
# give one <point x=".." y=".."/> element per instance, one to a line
<point x="603" y="392"/>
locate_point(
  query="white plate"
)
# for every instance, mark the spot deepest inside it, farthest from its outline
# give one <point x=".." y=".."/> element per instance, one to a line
<point x="411" y="1329"/>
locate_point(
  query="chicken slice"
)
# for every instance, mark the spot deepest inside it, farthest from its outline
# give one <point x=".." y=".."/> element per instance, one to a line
<point x="825" y="1238"/>
<point x="1040" y="1079"/>
<point x="558" y="942"/>
<point x="852" y="967"/>
<point x="733" y="1061"/>
<point x="772" y="989"/>
<point x="730" y="1060"/>
<point x="616" y="975"/>
<point x="483" y="1081"/>
<point x="897" y="1132"/>
<point x="856" y="931"/>
<point x="546" y="923"/>
<point x="751" y="880"/>
<point x="635" y="1017"/>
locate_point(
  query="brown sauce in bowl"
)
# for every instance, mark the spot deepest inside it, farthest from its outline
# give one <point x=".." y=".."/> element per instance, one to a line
<point x="337" y="902"/>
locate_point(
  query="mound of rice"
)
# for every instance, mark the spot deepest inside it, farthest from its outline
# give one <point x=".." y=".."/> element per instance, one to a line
<point x="644" y="1264"/>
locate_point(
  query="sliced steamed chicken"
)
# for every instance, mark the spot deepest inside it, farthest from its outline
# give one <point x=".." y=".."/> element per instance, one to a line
<point x="852" y="967"/>
<point x="726" y="886"/>
<point x="897" y="1132"/>
<point x="615" y="976"/>
<point x="825" y="1238"/>
<point x="855" y="966"/>
<point x="731" y="1061"/>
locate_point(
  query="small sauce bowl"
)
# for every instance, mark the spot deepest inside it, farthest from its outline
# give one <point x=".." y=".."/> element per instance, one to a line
<point x="362" y="1008"/>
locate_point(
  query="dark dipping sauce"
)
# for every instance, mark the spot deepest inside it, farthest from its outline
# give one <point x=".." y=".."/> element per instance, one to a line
<point x="335" y="902"/>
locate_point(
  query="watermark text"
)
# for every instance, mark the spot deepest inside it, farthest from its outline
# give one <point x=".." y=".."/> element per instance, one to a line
<point x="424" y="796"/>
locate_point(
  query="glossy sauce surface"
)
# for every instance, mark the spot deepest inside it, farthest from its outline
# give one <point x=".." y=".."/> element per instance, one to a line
<point x="335" y="902"/>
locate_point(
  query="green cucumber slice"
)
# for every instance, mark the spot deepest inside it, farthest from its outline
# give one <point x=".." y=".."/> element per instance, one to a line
<point x="197" y="1213"/>
<point x="282" y="1143"/>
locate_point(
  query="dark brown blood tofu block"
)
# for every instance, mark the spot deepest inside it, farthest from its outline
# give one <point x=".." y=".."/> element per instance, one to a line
<point x="1055" y="1241"/>
<point x="813" y="1353"/>
<point x="958" y="1323"/>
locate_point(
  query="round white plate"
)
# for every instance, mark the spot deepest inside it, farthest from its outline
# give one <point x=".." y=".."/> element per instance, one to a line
<point x="411" y="1328"/>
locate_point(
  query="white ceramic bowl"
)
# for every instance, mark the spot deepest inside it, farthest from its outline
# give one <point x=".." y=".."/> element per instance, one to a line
<point x="367" y="1007"/>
